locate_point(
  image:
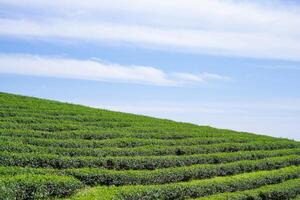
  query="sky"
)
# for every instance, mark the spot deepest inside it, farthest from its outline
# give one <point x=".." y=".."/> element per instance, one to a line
<point x="224" y="63"/>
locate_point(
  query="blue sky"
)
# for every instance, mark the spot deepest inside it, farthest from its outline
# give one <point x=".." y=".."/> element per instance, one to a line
<point x="228" y="64"/>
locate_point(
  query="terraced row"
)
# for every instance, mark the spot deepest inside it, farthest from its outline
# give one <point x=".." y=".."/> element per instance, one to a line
<point x="286" y="190"/>
<point x="137" y="162"/>
<point x="61" y="184"/>
<point x="21" y="112"/>
<point x="111" y="133"/>
<point x="118" y="142"/>
<point x="53" y="150"/>
<point x="96" y="176"/>
<point x="32" y="186"/>
<point x="146" y="150"/>
<point x="195" y="188"/>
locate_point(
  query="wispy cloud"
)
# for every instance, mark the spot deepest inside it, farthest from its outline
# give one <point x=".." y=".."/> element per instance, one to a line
<point x="97" y="70"/>
<point x="236" y="28"/>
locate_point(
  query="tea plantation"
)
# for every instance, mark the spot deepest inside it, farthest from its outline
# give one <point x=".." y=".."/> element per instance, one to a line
<point x="53" y="150"/>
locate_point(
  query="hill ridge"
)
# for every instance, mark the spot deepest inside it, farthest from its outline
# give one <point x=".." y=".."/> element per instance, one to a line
<point x="51" y="149"/>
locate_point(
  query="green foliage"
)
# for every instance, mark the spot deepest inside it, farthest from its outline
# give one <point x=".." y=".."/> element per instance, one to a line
<point x="297" y="197"/>
<point x="53" y="150"/>
<point x="281" y="191"/>
<point x="194" y="189"/>
<point x="16" y="146"/>
<point x="94" y="176"/>
<point x="206" y="187"/>
<point x="138" y="162"/>
<point x="29" y="186"/>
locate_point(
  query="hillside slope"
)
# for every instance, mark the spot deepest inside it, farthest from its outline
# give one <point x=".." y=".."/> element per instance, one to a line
<point x="52" y="150"/>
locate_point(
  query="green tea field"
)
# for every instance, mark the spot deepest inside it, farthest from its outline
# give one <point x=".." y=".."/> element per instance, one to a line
<point x="53" y="150"/>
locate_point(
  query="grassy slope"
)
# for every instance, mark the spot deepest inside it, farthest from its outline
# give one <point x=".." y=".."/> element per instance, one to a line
<point x="52" y="149"/>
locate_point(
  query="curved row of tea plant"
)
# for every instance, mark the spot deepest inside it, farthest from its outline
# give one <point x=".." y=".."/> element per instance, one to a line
<point x="96" y="176"/>
<point x="32" y="186"/>
<point x="137" y="162"/>
<point x="192" y="189"/>
<point x="16" y="146"/>
<point x="101" y="134"/>
<point x="286" y="190"/>
<point x="117" y="142"/>
<point x="54" y="150"/>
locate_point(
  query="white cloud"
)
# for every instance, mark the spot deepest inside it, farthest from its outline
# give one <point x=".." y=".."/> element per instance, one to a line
<point x="94" y="70"/>
<point x="238" y="28"/>
<point x="188" y="77"/>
